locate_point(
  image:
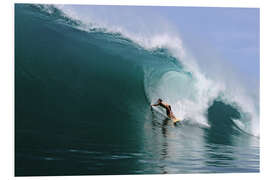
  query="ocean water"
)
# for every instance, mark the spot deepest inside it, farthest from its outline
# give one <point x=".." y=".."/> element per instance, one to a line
<point x="82" y="99"/>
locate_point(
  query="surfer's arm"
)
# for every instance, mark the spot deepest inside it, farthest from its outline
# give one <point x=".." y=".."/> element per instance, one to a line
<point x="155" y="104"/>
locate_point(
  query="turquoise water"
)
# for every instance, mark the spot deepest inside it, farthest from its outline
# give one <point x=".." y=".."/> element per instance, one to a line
<point x="82" y="106"/>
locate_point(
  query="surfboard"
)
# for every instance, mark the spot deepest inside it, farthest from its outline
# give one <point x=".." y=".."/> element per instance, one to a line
<point x="175" y="120"/>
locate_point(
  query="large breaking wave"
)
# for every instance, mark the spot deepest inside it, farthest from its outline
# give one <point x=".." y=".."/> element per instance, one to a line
<point x="175" y="76"/>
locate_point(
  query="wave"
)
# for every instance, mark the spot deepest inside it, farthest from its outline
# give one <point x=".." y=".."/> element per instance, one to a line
<point x="174" y="76"/>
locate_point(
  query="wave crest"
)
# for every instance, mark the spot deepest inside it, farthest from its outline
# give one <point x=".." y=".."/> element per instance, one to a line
<point x="183" y="85"/>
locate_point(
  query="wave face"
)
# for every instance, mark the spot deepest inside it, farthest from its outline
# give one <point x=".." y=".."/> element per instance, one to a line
<point x="82" y="100"/>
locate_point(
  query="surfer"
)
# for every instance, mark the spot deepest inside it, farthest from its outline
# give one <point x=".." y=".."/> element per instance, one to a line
<point x="168" y="109"/>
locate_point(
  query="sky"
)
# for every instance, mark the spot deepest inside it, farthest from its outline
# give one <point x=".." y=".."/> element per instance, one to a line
<point x="230" y="35"/>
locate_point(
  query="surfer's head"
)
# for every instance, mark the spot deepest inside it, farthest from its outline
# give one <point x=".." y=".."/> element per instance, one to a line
<point x="159" y="100"/>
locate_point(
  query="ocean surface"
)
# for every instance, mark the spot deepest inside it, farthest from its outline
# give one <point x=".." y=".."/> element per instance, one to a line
<point x="82" y="105"/>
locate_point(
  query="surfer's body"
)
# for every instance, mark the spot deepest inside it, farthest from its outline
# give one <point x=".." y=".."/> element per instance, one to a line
<point x="168" y="109"/>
